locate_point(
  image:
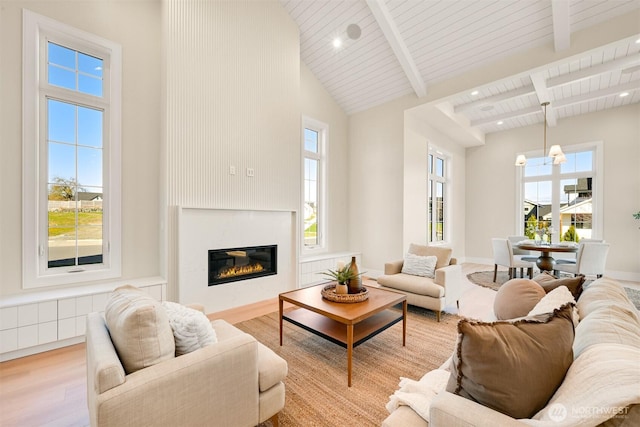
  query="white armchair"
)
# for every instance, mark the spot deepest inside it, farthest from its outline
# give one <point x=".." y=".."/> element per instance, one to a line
<point x="436" y="293"/>
<point x="234" y="382"/>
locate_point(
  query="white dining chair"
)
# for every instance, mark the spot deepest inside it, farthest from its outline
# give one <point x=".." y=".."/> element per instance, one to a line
<point x="503" y="255"/>
<point x="591" y="260"/>
<point x="572" y="257"/>
<point x="521" y="254"/>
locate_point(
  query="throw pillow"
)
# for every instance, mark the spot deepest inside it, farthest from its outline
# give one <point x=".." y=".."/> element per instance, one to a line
<point x="516" y="298"/>
<point x="192" y="330"/>
<point x="417" y="265"/>
<point x="139" y="329"/>
<point x="549" y="282"/>
<point x="554" y="300"/>
<point x="513" y="367"/>
<point x="443" y="253"/>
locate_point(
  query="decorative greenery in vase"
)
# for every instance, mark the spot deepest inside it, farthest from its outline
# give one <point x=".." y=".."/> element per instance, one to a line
<point x="341" y="275"/>
<point x="637" y="215"/>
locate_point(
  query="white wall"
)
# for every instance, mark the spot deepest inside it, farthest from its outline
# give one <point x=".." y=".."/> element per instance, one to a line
<point x="418" y="136"/>
<point x="388" y="147"/>
<point x="136" y="26"/>
<point x="232" y="99"/>
<point x="491" y="182"/>
<point x="376" y="177"/>
<point x="317" y="104"/>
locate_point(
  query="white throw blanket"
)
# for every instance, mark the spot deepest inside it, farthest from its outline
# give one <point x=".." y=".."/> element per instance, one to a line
<point x="418" y="394"/>
<point x="602" y="381"/>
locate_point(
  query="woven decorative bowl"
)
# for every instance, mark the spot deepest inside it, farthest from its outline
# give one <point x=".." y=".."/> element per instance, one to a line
<point x="329" y="292"/>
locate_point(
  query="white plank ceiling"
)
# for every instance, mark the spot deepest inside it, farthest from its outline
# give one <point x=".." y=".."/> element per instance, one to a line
<point x="407" y="45"/>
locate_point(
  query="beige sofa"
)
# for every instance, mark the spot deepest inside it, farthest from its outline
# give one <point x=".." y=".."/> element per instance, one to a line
<point x="599" y="389"/>
<point x="430" y="293"/>
<point x="236" y="381"/>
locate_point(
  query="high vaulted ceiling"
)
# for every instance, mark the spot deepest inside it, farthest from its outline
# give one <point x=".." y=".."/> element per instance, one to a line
<point x="406" y="46"/>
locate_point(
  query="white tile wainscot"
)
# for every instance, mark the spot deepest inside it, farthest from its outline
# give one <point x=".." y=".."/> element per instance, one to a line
<point x="311" y="267"/>
<point x="40" y="321"/>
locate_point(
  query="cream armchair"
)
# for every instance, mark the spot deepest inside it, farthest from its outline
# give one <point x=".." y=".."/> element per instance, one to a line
<point x="234" y="382"/>
<point x="436" y="293"/>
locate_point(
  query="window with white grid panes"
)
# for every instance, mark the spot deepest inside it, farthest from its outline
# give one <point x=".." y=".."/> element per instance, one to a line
<point x="560" y="202"/>
<point x="437" y="196"/>
<point x="313" y="186"/>
<point x="72" y="154"/>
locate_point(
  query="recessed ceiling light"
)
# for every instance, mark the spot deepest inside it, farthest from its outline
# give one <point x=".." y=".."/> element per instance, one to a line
<point x="623" y="94"/>
<point x="638" y="41"/>
<point x="474" y="93"/>
<point x="337" y="42"/>
<point x="500" y="122"/>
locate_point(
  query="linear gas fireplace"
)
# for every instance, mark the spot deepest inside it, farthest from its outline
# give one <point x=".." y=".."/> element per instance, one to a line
<point x="233" y="264"/>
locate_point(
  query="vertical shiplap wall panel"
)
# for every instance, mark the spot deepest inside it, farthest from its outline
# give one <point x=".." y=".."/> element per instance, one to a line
<point x="233" y="82"/>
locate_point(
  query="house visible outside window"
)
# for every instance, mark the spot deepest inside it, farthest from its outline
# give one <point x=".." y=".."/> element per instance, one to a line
<point x="562" y="199"/>
<point x="71" y="146"/>
<point x="313" y="167"/>
<point x="437" y="197"/>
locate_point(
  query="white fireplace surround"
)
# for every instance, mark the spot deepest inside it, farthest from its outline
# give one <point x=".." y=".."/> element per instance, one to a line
<point x="202" y="229"/>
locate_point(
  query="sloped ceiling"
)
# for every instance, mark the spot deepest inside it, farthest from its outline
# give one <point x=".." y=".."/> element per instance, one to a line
<point x="406" y="46"/>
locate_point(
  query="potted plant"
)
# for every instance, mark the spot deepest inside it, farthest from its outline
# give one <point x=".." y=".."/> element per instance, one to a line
<point x="637" y="215"/>
<point x="342" y="276"/>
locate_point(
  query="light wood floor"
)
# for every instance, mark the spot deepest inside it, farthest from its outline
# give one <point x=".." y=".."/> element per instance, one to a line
<point x="49" y="389"/>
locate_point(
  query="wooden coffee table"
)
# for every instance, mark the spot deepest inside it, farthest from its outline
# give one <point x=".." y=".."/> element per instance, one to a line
<point x="345" y="324"/>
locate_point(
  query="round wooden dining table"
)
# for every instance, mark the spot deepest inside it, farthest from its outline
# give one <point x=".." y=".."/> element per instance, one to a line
<point x="545" y="261"/>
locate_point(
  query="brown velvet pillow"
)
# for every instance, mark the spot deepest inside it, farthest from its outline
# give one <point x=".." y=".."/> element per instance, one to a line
<point x="513" y="367"/>
<point x="549" y="282"/>
<point x="516" y="298"/>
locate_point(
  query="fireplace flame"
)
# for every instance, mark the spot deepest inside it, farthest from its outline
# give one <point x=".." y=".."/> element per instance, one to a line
<point x="240" y="270"/>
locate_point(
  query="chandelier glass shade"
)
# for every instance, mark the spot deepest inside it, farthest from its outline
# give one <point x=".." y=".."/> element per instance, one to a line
<point x="555" y="152"/>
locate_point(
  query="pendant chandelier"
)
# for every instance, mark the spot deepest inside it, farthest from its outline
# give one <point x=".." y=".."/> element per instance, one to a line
<point x="555" y="152"/>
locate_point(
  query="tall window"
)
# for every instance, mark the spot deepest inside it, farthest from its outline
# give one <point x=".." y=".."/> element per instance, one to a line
<point x="437" y="196"/>
<point x="71" y="126"/>
<point x="313" y="159"/>
<point x="562" y="199"/>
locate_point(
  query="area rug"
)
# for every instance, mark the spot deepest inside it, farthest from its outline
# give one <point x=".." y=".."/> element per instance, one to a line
<point x="485" y="279"/>
<point x="634" y="296"/>
<point x="316" y="386"/>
